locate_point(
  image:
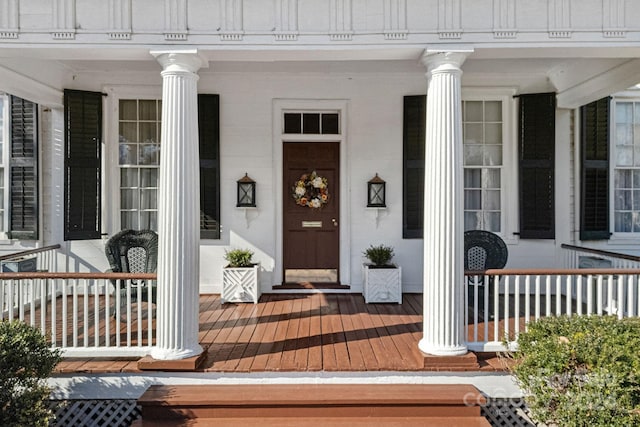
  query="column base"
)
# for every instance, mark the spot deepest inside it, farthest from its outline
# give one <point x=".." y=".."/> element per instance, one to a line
<point x="465" y="362"/>
<point x="189" y="363"/>
<point x="429" y="348"/>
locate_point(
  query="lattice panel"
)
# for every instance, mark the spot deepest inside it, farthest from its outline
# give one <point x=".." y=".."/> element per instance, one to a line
<point x="240" y="285"/>
<point x="383" y="285"/>
<point x="95" y="413"/>
<point x="506" y="413"/>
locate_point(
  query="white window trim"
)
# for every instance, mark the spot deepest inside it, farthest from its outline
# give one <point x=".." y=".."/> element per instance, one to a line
<point x="111" y="164"/>
<point x="617" y="238"/>
<point x="508" y="180"/>
<point x="5" y="165"/>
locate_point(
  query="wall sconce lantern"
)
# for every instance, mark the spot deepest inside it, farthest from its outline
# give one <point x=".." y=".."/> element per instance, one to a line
<point x="376" y="193"/>
<point x="246" y="192"/>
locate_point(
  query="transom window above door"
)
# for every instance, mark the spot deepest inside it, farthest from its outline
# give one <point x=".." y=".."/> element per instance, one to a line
<point x="311" y="123"/>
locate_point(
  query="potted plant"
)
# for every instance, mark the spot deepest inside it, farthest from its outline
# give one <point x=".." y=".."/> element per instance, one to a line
<point x="240" y="277"/>
<point x="382" y="279"/>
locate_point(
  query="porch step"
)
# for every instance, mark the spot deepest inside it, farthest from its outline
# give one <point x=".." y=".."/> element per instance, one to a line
<point x="314" y="405"/>
<point x="325" y="422"/>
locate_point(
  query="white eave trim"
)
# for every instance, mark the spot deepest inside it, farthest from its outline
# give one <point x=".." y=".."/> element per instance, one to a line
<point x="33" y="90"/>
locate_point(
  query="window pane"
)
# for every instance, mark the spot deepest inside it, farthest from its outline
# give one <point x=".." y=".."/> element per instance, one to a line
<point x="473" y="199"/>
<point x="636" y="222"/>
<point x="292" y="123"/>
<point x="148" y="220"/>
<point x="149" y="177"/>
<point x="148" y="132"/>
<point x="491" y="178"/>
<point x="623" y="178"/>
<point x="128" y="109"/>
<point x="472" y="178"/>
<point x="330" y="124"/>
<point x="622" y="200"/>
<point x="493" y="155"/>
<point x="473" y="155"/>
<point x="636" y="200"/>
<point x="311" y="123"/>
<point x="624" y="112"/>
<point x="493" y="133"/>
<point x="493" y="111"/>
<point x="491" y="199"/>
<point x="472" y="221"/>
<point x="129" y="199"/>
<point x="147" y="110"/>
<point x="128" y="154"/>
<point x="149" y="154"/>
<point x="128" y="132"/>
<point x="473" y="133"/>
<point x="624" y="155"/>
<point x="129" y="220"/>
<point x="148" y="199"/>
<point x="624" y="134"/>
<point x="492" y="221"/>
<point x="623" y="222"/>
<point x="473" y="111"/>
<point x="128" y="177"/>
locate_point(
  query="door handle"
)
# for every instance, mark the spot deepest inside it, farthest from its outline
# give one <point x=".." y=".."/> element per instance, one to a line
<point x="335" y="223"/>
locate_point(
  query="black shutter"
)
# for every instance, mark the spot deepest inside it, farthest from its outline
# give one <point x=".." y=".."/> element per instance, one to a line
<point x="23" y="174"/>
<point x="83" y="139"/>
<point x="413" y="142"/>
<point x="594" y="147"/>
<point x="537" y="162"/>
<point x="209" y="138"/>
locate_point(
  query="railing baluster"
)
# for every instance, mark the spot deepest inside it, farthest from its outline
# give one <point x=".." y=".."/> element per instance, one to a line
<point x="32" y="303"/>
<point x="128" y="312"/>
<point x="54" y="310"/>
<point x="85" y="322"/>
<point x="621" y="299"/>
<point x="537" y="282"/>
<point x="516" y="311"/>
<point x="590" y="296"/>
<point x="496" y="307"/>
<point x="599" y="291"/>
<point x="485" y="307"/>
<point x="139" y="321"/>
<point x="630" y="296"/>
<point x="152" y="284"/>
<point x="527" y="296"/>
<point x="75" y="312"/>
<point x="64" y="314"/>
<point x="569" y="295"/>
<point x="44" y="285"/>
<point x="3" y="290"/>
<point x="107" y="313"/>
<point x="547" y="296"/>
<point x="96" y="313"/>
<point x="507" y="289"/>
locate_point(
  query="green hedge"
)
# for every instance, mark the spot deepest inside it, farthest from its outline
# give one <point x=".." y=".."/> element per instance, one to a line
<point x="581" y="371"/>
<point x="25" y="362"/>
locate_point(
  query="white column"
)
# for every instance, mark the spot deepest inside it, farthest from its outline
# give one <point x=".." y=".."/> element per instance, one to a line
<point x="178" y="208"/>
<point x="443" y="329"/>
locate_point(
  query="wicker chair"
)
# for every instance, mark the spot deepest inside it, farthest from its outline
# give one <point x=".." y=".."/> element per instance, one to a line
<point x="483" y="250"/>
<point x="133" y="251"/>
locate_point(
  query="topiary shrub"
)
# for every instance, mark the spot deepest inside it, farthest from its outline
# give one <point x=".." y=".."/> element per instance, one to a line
<point x="25" y="362"/>
<point x="581" y="370"/>
<point x="239" y="258"/>
<point x="380" y="255"/>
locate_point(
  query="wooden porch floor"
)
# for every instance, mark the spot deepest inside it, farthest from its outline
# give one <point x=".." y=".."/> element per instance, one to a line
<point x="298" y="333"/>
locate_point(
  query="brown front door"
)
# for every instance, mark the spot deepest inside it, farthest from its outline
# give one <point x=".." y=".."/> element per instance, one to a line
<point x="311" y="241"/>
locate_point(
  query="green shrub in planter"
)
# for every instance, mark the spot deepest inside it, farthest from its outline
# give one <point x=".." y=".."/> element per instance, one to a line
<point x="25" y="362"/>
<point x="239" y="258"/>
<point x="581" y="370"/>
<point x="380" y="256"/>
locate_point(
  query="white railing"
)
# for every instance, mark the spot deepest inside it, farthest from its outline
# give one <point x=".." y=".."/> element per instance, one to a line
<point x="84" y="312"/>
<point x="502" y="302"/>
<point x="582" y="257"/>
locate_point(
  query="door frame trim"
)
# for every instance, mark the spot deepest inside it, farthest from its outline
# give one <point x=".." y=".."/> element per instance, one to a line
<point x="340" y="105"/>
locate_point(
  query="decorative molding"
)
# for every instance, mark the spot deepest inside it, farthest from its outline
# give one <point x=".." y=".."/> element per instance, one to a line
<point x="285" y="36"/>
<point x="341" y="20"/>
<point x="505" y="34"/>
<point x="64" y="19"/>
<point x="613" y="19"/>
<point x="559" y="19"/>
<point x="448" y="35"/>
<point x="231" y="37"/>
<point x="231" y="25"/>
<point x="9" y="19"/>
<point x="504" y="19"/>
<point x="395" y="19"/>
<point x="449" y="19"/>
<point x="341" y="36"/>
<point x="175" y="20"/>
<point x="119" y="35"/>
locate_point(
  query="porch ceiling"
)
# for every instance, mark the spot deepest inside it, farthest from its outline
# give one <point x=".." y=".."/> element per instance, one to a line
<point x="579" y="75"/>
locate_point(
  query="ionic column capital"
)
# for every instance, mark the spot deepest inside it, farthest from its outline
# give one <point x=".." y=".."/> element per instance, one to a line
<point x="444" y="61"/>
<point x="185" y="61"/>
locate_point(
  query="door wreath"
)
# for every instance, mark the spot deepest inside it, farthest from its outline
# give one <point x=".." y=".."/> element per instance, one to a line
<point x="311" y="190"/>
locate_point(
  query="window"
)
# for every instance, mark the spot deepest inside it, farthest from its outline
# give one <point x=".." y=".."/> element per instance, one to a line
<point x="626" y="164"/>
<point x="139" y="124"/>
<point x="483" y="146"/>
<point x="312" y="123"/>
<point x="139" y="160"/>
<point x="482" y="133"/>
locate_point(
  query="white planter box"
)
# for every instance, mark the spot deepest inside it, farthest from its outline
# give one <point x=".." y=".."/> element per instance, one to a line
<point x="382" y="284"/>
<point x="240" y="284"/>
